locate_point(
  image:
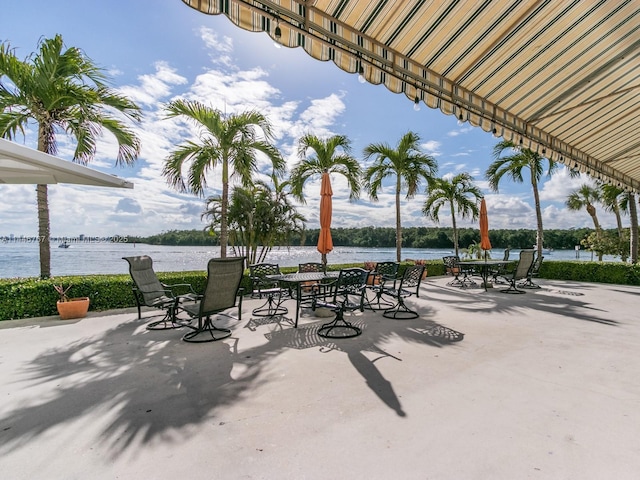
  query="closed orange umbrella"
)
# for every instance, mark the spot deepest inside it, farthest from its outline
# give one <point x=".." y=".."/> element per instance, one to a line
<point x="325" y="243"/>
<point x="485" y="244"/>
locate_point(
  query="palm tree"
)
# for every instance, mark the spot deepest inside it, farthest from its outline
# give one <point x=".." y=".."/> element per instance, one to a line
<point x="318" y="155"/>
<point x="628" y="204"/>
<point x="585" y="197"/>
<point x="513" y="165"/>
<point x="611" y="198"/>
<point x="231" y="142"/>
<point x="61" y="90"/>
<point x="258" y="219"/>
<point x="407" y="164"/>
<point x="458" y="193"/>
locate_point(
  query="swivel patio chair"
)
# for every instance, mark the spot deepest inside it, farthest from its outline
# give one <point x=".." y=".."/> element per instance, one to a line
<point x="533" y="272"/>
<point x="344" y="293"/>
<point x="263" y="287"/>
<point x="520" y="272"/>
<point x="309" y="289"/>
<point x="500" y="269"/>
<point x="452" y="267"/>
<point x="148" y="291"/>
<point x="383" y="275"/>
<point x="222" y="292"/>
<point x="407" y="286"/>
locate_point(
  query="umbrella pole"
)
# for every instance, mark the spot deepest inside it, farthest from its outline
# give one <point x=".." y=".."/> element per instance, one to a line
<point x="324" y="262"/>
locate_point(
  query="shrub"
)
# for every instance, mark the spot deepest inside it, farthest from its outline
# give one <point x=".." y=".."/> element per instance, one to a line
<point x="28" y="298"/>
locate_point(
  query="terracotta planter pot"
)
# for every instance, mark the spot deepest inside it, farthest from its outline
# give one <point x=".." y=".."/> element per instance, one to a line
<point x="73" y="308"/>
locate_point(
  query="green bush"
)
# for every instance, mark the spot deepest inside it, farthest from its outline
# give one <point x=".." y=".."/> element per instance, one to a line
<point x="27" y="298"/>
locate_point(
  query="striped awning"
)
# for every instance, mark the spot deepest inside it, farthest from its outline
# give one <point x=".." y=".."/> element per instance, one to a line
<point x="560" y="77"/>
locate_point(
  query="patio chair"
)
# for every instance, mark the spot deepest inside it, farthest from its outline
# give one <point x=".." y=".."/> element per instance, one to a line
<point x="520" y="272"/>
<point x="383" y="275"/>
<point x="344" y="293"/>
<point x="263" y="287"/>
<point x="533" y="272"/>
<point x="407" y="286"/>
<point x="500" y="269"/>
<point x="452" y="267"/>
<point x="309" y="289"/>
<point x="148" y="291"/>
<point x="221" y="293"/>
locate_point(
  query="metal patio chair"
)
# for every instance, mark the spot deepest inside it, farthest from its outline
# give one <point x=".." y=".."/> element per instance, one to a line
<point x="520" y="272"/>
<point x="263" y="287"/>
<point x="383" y="275"/>
<point x="407" y="286"/>
<point x="222" y="292"/>
<point x="533" y="272"/>
<point x="149" y="291"/>
<point x="343" y="294"/>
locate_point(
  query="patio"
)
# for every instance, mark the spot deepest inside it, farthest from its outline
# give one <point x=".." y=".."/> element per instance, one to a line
<point x="482" y="385"/>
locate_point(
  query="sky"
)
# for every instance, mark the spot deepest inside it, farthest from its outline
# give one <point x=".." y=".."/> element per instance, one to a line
<point x="155" y="51"/>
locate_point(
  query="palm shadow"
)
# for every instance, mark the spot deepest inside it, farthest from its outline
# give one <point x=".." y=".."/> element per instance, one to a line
<point x="142" y="386"/>
<point x="375" y="332"/>
<point x="569" y="301"/>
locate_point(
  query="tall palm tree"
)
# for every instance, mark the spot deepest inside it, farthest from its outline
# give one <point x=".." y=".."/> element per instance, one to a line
<point x="319" y="155"/>
<point x="406" y="164"/>
<point x="512" y="165"/>
<point x="458" y="193"/>
<point x="61" y="89"/>
<point x="628" y="204"/>
<point x="585" y="197"/>
<point x="610" y="198"/>
<point x="231" y="142"/>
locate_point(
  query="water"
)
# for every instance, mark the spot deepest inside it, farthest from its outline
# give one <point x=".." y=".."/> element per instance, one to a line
<point x="21" y="259"/>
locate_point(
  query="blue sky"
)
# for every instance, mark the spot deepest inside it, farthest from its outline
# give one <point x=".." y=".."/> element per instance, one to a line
<point x="156" y="51"/>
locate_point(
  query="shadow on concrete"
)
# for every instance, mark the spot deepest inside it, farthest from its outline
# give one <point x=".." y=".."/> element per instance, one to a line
<point x="142" y="386"/>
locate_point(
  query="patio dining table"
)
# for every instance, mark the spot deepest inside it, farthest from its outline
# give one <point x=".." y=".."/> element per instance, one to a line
<point x="299" y="280"/>
<point x="483" y="266"/>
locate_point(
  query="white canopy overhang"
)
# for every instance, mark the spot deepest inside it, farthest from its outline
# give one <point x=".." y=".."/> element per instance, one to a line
<point x="559" y="77"/>
<point x="24" y="165"/>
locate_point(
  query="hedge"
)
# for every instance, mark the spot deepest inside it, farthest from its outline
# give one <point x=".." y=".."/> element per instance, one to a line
<point x="30" y="297"/>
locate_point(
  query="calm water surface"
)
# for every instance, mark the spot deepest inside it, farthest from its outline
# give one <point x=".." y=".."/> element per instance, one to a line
<point x="21" y="259"/>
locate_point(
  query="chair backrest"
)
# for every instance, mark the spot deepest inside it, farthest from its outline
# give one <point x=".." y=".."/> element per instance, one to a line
<point x="451" y="266"/>
<point x="223" y="282"/>
<point x="145" y="279"/>
<point x="505" y="257"/>
<point x="524" y="264"/>
<point x="535" y="268"/>
<point x="411" y="278"/>
<point x="387" y="269"/>
<point x="352" y="280"/>
<point x="257" y="273"/>
<point x="310" y="267"/>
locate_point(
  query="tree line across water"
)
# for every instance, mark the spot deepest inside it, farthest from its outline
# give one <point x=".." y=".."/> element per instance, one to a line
<point x="385" y="237"/>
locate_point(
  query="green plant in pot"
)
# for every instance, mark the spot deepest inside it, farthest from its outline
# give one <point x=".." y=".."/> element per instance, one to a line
<point x="69" y="308"/>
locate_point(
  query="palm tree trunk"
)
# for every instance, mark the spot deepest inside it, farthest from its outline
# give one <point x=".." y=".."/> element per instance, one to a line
<point x="536" y="198"/>
<point x="44" y="231"/>
<point x="616" y="211"/>
<point x="45" y="134"/>
<point x="633" y="234"/>
<point x="592" y="211"/>
<point x="224" y="208"/>
<point x="398" y="224"/>
<point x="455" y="229"/>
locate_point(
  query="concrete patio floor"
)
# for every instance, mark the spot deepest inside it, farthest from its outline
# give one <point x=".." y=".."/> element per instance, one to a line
<point x="543" y="385"/>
